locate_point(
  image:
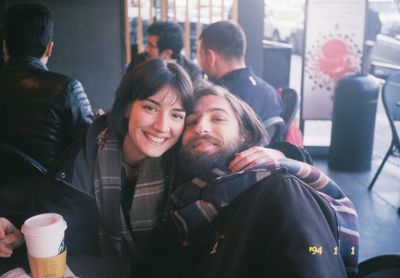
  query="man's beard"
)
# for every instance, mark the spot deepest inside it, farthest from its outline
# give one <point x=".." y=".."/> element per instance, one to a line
<point x="200" y="164"/>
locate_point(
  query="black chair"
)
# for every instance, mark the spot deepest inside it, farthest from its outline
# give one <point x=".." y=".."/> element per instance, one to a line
<point x="391" y="102"/>
<point x="275" y="127"/>
<point x="291" y="104"/>
<point x="384" y="266"/>
<point x="18" y="183"/>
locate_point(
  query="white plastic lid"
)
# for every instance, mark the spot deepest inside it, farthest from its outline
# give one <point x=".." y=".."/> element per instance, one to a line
<point x="42" y="224"/>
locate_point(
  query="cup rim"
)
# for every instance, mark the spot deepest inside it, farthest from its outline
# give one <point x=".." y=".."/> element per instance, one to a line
<point x="31" y="230"/>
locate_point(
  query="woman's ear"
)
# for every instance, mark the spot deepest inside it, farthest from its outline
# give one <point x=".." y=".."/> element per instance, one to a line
<point x="128" y="110"/>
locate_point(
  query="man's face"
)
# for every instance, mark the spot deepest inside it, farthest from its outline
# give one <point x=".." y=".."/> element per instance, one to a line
<point x="212" y="129"/>
<point x="151" y="47"/>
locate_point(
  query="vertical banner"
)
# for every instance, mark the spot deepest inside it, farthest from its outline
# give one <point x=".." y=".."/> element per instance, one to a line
<point x="333" y="48"/>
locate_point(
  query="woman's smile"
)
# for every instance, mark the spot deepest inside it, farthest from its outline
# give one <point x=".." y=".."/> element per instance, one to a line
<point x="155" y="139"/>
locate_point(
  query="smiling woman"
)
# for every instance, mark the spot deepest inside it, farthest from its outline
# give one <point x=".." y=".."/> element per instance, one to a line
<point x="148" y="114"/>
<point x="158" y="123"/>
<point x="123" y="170"/>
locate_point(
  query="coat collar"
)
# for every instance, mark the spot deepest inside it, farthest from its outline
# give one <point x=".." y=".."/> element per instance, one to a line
<point x="234" y="75"/>
<point x="26" y="62"/>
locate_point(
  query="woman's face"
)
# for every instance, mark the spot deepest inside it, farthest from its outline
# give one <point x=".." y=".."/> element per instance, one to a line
<point x="154" y="125"/>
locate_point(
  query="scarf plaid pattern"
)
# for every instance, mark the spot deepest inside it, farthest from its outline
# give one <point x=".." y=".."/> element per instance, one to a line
<point x="115" y="238"/>
<point x="199" y="201"/>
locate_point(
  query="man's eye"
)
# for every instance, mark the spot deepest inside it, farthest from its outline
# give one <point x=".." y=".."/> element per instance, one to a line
<point x="219" y="119"/>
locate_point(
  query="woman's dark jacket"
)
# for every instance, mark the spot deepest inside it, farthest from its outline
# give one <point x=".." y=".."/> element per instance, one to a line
<point x="69" y="191"/>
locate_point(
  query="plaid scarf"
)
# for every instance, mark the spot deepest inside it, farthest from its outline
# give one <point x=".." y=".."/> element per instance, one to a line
<point x="198" y="202"/>
<point x="114" y="235"/>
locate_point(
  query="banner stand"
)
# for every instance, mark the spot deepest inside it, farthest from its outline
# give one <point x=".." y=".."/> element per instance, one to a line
<point x="333" y="48"/>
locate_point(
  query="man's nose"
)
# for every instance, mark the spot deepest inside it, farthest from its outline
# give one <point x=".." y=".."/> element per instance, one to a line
<point x="202" y="126"/>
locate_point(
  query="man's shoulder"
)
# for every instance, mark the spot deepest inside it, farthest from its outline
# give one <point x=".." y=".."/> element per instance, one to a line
<point x="62" y="85"/>
<point x="260" y="84"/>
<point x="245" y="78"/>
<point x="285" y="184"/>
<point x="50" y="83"/>
<point x="283" y="178"/>
<point x="49" y="79"/>
<point x="59" y="78"/>
<point x="191" y="68"/>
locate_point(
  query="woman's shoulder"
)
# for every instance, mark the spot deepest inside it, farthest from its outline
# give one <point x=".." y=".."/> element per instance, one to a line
<point x="75" y="165"/>
<point x="98" y="125"/>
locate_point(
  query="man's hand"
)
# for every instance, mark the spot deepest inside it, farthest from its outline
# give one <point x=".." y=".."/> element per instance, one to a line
<point x="10" y="238"/>
<point x="253" y="156"/>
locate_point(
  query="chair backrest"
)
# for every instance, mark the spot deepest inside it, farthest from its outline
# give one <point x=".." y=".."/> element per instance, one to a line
<point x="391" y="102"/>
<point x="18" y="183"/>
<point x="275" y="127"/>
<point x="291" y="103"/>
<point x="380" y="266"/>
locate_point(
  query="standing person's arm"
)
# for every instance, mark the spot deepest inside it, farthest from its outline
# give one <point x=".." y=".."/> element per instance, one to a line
<point x="81" y="111"/>
<point x="10" y="238"/>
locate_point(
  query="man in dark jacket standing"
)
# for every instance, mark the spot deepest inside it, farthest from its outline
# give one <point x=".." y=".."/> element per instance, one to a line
<point x="41" y="112"/>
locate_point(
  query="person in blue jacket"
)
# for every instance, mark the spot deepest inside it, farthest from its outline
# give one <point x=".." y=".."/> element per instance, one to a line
<point x="222" y="58"/>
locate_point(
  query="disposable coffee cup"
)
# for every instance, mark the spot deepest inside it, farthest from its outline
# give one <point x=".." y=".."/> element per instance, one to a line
<point x="44" y="235"/>
<point x="53" y="267"/>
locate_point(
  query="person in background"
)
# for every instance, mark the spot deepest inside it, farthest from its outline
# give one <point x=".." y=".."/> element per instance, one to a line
<point x="373" y="25"/>
<point x="265" y="221"/>
<point x="41" y="112"/>
<point x="165" y="41"/>
<point x="10" y="237"/>
<point x="222" y="58"/>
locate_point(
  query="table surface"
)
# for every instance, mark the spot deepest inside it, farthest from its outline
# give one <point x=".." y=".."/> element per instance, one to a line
<point x="81" y="266"/>
<point x="88" y="267"/>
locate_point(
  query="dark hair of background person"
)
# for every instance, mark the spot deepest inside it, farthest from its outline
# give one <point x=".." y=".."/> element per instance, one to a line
<point x="249" y="122"/>
<point x="225" y="37"/>
<point x="170" y="36"/>
<point x="28" y="28"/>
<point x="145" y="81"/>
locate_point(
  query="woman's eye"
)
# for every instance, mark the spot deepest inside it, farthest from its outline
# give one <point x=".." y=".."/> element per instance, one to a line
<point x="178" y="116"/>
<point x="150" y="108"/>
